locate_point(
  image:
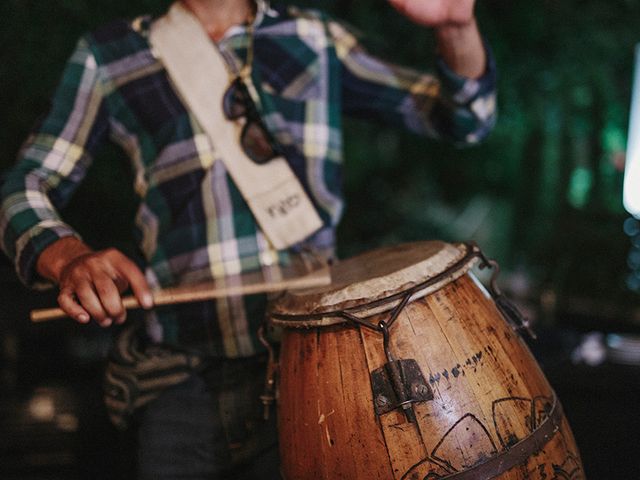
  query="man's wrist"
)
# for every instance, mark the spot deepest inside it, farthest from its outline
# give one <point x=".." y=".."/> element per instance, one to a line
<point x="55" y="258"/>
<point x="460" y="46"/>
<point x="454" y="31"/>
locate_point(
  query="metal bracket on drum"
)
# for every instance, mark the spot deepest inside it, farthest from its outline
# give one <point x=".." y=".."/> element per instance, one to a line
<point x="507" y="308"/>
<point x="399" y="384"/>
<point x="270" y="394"/>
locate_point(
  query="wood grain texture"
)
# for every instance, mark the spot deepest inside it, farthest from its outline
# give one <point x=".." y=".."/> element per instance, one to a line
<point x="489" y="393"/>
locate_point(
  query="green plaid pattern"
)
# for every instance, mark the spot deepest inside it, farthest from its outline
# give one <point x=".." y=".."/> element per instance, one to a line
<point x="193" y="225"/>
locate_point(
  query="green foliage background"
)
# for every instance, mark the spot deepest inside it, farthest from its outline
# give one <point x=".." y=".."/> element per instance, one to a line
<point x="542" y="195"/>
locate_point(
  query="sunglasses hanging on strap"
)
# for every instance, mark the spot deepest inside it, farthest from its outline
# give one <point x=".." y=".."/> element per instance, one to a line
<point x="229" y="116"/>
<point x="256" y="141"/>
<point x="237" y="104"/>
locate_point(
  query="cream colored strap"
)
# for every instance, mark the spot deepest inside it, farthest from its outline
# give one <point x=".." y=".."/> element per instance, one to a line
<point x="197" y="70"/>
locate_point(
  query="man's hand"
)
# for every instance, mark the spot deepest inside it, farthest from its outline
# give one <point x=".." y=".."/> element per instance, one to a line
<point x="91" y="282"/>
<point x="436" y="13"/>
<point x="459" y="41"/>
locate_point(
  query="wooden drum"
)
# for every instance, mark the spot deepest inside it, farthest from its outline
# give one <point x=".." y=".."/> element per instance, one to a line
<point x="405" y="367"/>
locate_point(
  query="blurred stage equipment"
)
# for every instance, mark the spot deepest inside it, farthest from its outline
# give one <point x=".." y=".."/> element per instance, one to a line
<point x="632" y="229"/>
<point x="623" y="349"/>
<point x="596" y="348"/>
<point x="631" y="195"/>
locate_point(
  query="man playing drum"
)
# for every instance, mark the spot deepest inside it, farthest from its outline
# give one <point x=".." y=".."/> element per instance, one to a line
<point x="214" y="206"/>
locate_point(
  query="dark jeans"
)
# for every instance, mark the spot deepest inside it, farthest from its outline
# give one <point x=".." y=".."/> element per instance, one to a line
<point x="210" y="427"/>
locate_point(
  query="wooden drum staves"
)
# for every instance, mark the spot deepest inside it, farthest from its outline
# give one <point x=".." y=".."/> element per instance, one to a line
<point x="405" y="368"/>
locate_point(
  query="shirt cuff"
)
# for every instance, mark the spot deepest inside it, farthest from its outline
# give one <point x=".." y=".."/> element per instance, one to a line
<point x="31" y="244"/>
<point x="464" y="90"/>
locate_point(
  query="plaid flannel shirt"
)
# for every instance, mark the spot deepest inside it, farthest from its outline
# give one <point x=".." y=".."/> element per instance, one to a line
<point x="192" y="224"/>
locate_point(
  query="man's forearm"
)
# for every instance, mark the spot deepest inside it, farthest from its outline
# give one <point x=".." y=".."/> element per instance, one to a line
<point x="461" y="47"/>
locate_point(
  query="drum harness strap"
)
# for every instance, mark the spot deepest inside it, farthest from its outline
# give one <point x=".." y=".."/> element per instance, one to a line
<point x="519" y="453"/>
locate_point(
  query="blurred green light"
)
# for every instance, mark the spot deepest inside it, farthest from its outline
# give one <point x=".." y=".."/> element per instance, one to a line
<point x="580" y="187"/>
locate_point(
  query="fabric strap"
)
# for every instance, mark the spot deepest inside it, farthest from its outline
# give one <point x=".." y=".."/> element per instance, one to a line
<point x="198" y="72"/>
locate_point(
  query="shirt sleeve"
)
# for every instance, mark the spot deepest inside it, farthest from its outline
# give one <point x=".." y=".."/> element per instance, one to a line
<point x="51" y="164"/>
<point x="440" y="105"/>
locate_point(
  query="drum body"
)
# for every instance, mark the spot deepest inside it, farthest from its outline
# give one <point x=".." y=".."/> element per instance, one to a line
<point x="480" y="407"/>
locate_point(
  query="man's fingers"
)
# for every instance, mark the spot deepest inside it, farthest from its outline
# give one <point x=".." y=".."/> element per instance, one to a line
<point x="92" y="304"/>
<point x="398" y="4"/>
<point x="436" y="13"/>
<point x="67" y="302"/>
<point x="109" y="296"/>
<point x="134" y="277"/>
<point x="91" y="287"/>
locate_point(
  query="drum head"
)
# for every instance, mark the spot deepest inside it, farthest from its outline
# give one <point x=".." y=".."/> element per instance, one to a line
<point x="378" y="274"/>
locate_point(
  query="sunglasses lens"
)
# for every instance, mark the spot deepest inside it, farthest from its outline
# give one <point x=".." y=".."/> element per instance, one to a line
<point x="234" y="101"/>
<point x="256" y="143"/>
<point x="255" y="139"/>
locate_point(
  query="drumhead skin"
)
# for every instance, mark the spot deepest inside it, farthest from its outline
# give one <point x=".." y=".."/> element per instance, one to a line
<point x="481" y="406"/>
<point x="376" y="275"/>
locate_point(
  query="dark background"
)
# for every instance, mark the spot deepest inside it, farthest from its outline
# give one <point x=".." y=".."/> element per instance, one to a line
<point x="542" y="195"/>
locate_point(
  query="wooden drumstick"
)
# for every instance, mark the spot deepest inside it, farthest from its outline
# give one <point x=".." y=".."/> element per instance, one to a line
<point x="244" y="285"/>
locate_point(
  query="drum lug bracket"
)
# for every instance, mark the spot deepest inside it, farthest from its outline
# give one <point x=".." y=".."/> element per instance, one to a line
<point x="270" y="393"/>
<point x="506" y="307"/>
<point x="408" y="378"/>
